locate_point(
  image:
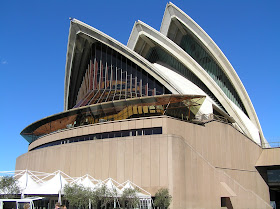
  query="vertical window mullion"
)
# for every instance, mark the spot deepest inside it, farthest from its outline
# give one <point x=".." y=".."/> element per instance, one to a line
<point x="94" y="60"/>
<point x="131" y="69"/>
<point x="135" y="83"/>
<point x="111" y="79"/>
<point x="140" y="82"/>
<point x="106" y="70"/>
<point x="116" y="82"/>
<point x="126" y="78"/>
<point x="121" y="78"/>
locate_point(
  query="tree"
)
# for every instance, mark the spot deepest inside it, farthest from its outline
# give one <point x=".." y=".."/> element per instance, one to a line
<point x="9" y="187"/>
<point x="94" y="198"/>
<point x="77" y="195"/>
<point x="80" y="196"/>
<point x="129" y="198"/>
<point x="162" y="198"/>
<point x="104" y="196"/>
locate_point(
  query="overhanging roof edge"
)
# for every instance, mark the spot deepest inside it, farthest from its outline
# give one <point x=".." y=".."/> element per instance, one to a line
<point x="83" y="108"/>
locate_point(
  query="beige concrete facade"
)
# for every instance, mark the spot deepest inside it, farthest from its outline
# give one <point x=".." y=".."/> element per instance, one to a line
<point x="199" y="164"/>
<point x="269" y="157"/>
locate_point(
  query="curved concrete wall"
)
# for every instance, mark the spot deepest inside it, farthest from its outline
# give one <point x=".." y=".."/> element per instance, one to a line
<point x="191" y="160"/>
<point x="98" y="128"/>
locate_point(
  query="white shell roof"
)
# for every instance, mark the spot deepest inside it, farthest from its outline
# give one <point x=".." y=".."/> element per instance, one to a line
<point x="173" y="11"/>
<point x="171" y="80"/>
<point x="250" y="127"/>
<point x="78" y="27"/>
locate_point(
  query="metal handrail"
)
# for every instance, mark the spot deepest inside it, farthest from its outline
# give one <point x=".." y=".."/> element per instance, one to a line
<point x="210" y="117"/>
<point x="271" y="145"/>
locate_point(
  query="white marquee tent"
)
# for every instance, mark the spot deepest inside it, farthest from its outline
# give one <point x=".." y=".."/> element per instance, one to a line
<point x="86" y="181"/>
<point x="39" y="183"/>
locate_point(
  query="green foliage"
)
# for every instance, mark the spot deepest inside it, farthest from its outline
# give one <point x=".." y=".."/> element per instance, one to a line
<point x="104" y="195"/>
<point x="94" y="198"/>
<point x="80" y="197"/>
<point x="77" y="195"/>
<point x="162" y="198"/>
<point x="9" y="187"/>
<point x="129" y="198"/>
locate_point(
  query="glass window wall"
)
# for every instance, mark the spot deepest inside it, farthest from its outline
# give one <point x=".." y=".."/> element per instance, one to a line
<point x="111" y="76"/>
<point x="157" y="54"/>
<point x="183" y="107"/>
<point x="199" y="52"/>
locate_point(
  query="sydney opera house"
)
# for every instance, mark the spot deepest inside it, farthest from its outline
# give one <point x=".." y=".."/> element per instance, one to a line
<point x="167" y="110"/>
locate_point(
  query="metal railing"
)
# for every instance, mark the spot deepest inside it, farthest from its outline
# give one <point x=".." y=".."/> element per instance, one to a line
<point x="271" y="145"/>
<point x="210" y="117"/>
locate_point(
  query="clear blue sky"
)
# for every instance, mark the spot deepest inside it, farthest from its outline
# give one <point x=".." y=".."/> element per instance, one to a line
<point x="33" y="44"/>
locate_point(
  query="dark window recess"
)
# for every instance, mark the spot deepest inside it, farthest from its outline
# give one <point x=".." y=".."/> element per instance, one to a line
<point x="157" y="130"/>
<point x="118" y="134"/>
<point x="125" y="133"/>
<point x="111" y="135"/>
<point x="226" y="203"/>
<point x="139" y="132"/>
<point x="105" y="135"/>
<point x="133" y="133"/>
<point x="98" y="136"/>
<point x="148" y="131"/>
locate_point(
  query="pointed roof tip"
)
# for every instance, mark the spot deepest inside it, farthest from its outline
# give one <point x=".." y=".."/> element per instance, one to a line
<point x="170" y="4"/>
<point x="139" y="22"/>
<point x="72" y="19"/>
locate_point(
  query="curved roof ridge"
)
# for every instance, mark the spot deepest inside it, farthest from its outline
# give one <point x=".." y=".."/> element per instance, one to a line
<point x="216" y="52"/>
<point x="188" y="61"/>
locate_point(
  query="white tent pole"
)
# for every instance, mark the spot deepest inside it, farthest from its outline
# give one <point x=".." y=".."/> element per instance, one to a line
<point x="59" y="192"/>
<point x="26" y="176"/>
<point x="59" y="197"/>
<point x="26" y="183"/>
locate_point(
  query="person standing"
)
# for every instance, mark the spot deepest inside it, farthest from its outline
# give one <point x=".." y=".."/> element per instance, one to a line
<point x="63" y="207"/>
<point x="57" y="205"/>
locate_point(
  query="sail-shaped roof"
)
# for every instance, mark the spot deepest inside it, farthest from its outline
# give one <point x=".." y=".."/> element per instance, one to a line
<point x="182" y="46"/>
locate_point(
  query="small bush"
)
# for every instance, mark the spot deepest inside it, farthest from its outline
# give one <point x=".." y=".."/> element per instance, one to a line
<point x="162" y="198"/>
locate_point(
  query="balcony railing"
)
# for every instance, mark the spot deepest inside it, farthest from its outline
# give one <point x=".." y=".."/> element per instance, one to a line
<point x="205" y="118"/>
<point x="271" y="145"/>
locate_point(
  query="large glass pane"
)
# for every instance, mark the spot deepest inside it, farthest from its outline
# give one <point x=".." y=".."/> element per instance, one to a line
<point x="273" y="176"/>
